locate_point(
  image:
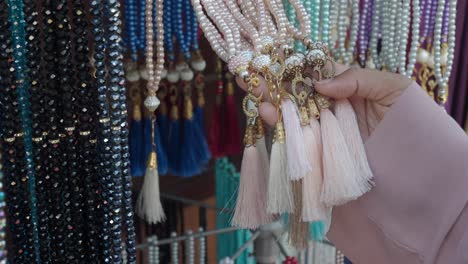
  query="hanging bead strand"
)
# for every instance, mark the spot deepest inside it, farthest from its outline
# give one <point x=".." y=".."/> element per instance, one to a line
<point x="104" y="132"/>
<point x="416" y="18"/>
<point x="86" y="133"/>
<point x="15" y="191"/>
<point x="325" y="21"/>
<point x="376" y="34"/>
<point x="443" y="77"/>
<point x="123" y="181"/>
<point x="17" y="23"/>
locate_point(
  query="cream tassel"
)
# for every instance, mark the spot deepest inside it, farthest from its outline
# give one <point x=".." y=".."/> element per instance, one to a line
<point x="280" y="196"/>
<point x="261" y="146"/>
<point x="347" y="120"/>
<point x="341" y="182"/>
<point x="149" y="203"/>
<point x="298" y="164"/>
<point x="313" y="209"/>
<point x="250" y="211"/>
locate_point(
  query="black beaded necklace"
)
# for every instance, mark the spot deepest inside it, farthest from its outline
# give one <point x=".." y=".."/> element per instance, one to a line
<point x="16" y="180"/>
<point x="39" y="125"/>
<point x="57" y="167"/>
<point x="118" y="105"/>
<point x="68" y="226"/>
<point x="85" y="109"/>
<point x="103" y="135"/>
<point x="114" y="82"/>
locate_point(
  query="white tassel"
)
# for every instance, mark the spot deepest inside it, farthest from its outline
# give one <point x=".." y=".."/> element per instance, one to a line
<point x="149" y="203"/>
<point x="313" y="209"/>
<point x="347" y="119"/>
<point x="280" y="196"/>
<point x="298" y="163"/>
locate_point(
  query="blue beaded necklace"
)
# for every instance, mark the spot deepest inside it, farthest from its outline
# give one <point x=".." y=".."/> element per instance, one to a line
<point x="141" y="25"/>
<point x="169" y="45"/>
<point x="17" y="21"/>
<point x="131" y="24"/>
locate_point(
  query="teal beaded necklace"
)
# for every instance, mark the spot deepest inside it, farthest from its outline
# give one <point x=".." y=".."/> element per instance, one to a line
<point x="319" y="12"/>
<point x="16" y="16"/>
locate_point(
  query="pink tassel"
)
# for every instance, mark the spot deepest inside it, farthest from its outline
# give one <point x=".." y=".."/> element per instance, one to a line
<point x="313" y="209"/>
<point x="250" y="211"/>
<point x="341" y="182"/>
<point x="347" y="120"/>
<point x="298" y="164"/>
<point x="261" y="146"/>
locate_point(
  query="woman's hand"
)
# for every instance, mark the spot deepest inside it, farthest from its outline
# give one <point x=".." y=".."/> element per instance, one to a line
<point x="371" y="93"/>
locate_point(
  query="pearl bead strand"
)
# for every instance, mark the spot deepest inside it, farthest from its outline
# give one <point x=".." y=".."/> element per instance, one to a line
<point x="442" y="80"/>
<point x="374" y="61"/>
<point x="402" y="41"/>
<point x="414" y="38"/>
<point x="217" y="43"/>
<point x="154" y="71"/>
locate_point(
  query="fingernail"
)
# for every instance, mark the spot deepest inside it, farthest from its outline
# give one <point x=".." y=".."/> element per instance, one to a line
<point x="324" y="81"/>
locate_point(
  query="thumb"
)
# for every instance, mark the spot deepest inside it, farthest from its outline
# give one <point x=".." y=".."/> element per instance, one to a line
<point x="365" y="83"/>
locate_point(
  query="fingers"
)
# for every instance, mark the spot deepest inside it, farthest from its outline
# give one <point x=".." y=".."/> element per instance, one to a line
<point x="365" y="83"/>
<point x="261" y="89"/>
<point x="268" y="113"/>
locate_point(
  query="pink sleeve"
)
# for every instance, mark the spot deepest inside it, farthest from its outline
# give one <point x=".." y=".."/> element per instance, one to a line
<point x="419" y="156"/>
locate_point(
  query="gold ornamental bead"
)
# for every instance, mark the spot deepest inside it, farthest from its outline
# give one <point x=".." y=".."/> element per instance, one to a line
<point x="152" y="160"/>
<point x="249" y="137"/>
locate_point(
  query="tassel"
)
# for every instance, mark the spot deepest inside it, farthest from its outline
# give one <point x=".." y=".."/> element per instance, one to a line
<point x="347" y="120"/>
<point x="173" y="151"/>
<point x="298" y="164"/>
<point x="341" y="182"/>
<point x="149" y="203"/>
<point x="298" y="229"/>
<point x="189" y="160"/>
<point x="280" y="196"/>
<point x="160" y="151"/>
<point x="214" y="134"/>
<point x="313" y="209"/>
<point x="147" y="138"/>
<point x="232" y="143"/>
<point x="205" y="154"/>
<point x="250" y="211"/>
<point x="261" y="146"/>
<point x="136" y="142"/>
<point x="162" y="123"/>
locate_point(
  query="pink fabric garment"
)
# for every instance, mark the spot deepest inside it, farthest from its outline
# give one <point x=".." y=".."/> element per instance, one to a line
<point x="417" y="212"/>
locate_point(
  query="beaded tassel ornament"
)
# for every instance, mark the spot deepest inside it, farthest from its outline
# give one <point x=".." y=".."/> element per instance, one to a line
<point x="268" y="33"/>
<point x="149" y="204"/>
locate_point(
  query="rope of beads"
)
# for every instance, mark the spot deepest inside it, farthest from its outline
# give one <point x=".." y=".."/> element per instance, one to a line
<point x="17" y="22"/>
